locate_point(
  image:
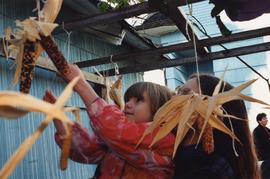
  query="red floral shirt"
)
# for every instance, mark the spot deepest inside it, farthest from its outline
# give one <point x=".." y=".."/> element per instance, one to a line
<point x="113" y="145"/>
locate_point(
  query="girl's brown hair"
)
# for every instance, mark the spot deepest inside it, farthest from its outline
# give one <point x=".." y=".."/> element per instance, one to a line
<point x="245" y="165"/>
<point x="158" y="94"/>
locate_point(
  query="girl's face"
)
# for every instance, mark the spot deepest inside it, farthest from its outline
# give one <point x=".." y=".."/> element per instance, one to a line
<point x="138" y="110"/>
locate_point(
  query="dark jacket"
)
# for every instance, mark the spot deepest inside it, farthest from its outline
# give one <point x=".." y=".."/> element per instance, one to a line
<point x="261" y="136"/>
<point x="194" y="163"/>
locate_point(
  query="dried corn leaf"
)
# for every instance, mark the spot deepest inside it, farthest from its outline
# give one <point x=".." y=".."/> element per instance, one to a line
<point x="211" y="105"/>
<point x="11" y="112"/>
<point x="66" y="147"/>
<point x="115" y="93"/>
<point x="46" y="28"/>
<point x="75" y="111"/>
<point x="51" y="9"/>
<point x="218" y="124"/>
<point x="68" y="138"/>
<point x="18" y="62"/>
<point x="22" y="150"/>
<point x="21" y="102"/>
<point x="189" y="106"/>
<point x="30" y="29"/>
<point x="27" y="144"/>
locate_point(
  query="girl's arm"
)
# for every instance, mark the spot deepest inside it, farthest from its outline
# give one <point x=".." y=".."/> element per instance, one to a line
<point x="119" y="134"/>
<point x="82" y="87"/>
<point x="85" y="148"/>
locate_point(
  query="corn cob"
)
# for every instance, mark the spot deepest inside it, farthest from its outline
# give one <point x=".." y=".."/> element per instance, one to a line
<point x="116" y="93"/>
<point x="28" y="65"/>
<point x="54" y="53"/>
<point x="207" y="136"/>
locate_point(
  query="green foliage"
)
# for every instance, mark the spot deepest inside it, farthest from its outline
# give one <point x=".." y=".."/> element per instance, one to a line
<point x="103" y="6"/>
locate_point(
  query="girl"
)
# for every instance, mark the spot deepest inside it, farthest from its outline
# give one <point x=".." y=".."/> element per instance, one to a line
<point x="116" y="133"/>
<point x="194" y="163"/>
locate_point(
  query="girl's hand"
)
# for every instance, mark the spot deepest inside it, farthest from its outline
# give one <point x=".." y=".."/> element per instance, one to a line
<point x="73" y="72"/>
<point x="49" y="97"/>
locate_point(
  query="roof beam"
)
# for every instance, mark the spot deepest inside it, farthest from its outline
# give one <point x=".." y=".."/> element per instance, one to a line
<point x="170" y="9"/>
<point x="181" y="61"/>
<point x="46" y="63"/>
<point x="178" y="47"/>
<point x="114" y="15"/>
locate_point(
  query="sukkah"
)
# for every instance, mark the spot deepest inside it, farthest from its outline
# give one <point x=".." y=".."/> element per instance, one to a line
<point x="182" y="110"/>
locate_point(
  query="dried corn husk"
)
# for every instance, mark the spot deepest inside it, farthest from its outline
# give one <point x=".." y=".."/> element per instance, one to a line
<point x="51" y="9"/>
<point x="116" y="93"/>
<point x="49" y="97"/>
<point x="31" y="104"/>
<point x="181" y="110"/>
<point x="28" y="32"/>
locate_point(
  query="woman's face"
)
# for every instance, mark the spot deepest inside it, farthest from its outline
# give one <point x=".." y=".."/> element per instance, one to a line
<point x="190" y="85"/>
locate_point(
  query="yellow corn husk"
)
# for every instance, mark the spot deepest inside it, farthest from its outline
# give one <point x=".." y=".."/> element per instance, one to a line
<point x="31" y="104"/>
<point x="51" y="9"/>
<point x="75" y="111"/>
<point x="115" y="93"/>
<point x="184" y="110"/>
<point x="66" y="147"/>
<point x="68" y="138"/>
<point x="30" y="29"/>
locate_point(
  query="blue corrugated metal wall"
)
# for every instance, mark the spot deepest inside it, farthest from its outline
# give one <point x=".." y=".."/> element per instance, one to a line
<point x="42" y="160"/>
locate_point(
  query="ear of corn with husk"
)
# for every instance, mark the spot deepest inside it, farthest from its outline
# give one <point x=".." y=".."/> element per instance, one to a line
<point x="183" y="111"/>
<point x="24" y="42"/>
<point x="11" y="100"/>
<point x="116" y="93"/>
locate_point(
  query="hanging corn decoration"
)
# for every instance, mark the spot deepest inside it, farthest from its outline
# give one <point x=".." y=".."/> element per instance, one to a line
<point x="25" y="41"/>
<point x="54" y="53"/>
<point x="116" y="93"/>
<point x="183" y="110"/>
<point x="28" y="65"/>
